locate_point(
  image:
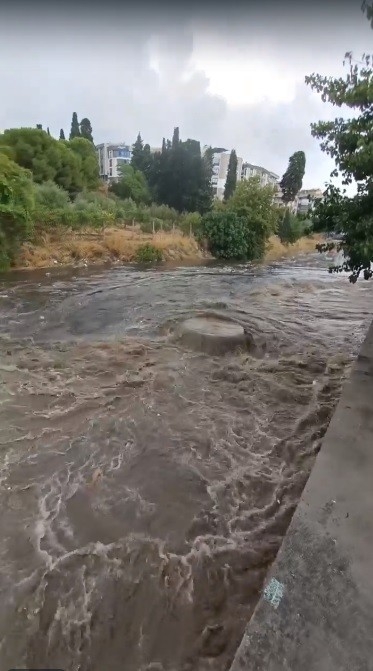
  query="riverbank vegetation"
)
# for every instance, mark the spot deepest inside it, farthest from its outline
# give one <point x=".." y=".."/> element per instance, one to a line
<point x="50" y="191"/>
<point x="86" y="246"/>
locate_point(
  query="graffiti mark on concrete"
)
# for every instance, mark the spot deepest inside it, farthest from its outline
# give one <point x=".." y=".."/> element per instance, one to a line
<point x="274" y="592"/>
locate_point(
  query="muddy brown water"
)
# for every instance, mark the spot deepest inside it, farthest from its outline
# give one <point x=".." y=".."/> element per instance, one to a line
<point x="144" y="488"/>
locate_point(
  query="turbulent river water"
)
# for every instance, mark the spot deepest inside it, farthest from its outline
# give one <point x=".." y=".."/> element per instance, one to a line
<point x="144" y="488"/>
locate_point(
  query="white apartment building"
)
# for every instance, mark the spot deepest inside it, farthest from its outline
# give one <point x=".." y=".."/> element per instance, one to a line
<point x="266" y="176"/>
<point x="220" y="161"/>
<point x="110" y="157"/>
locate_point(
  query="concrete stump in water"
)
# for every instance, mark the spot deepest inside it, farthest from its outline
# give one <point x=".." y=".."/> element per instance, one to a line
<point x="212" y="335"/>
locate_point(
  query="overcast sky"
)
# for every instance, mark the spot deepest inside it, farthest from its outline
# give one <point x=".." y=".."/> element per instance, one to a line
<point x="227" y="74"/>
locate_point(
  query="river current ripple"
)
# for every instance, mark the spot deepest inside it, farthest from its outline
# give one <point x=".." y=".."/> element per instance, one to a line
<point x="145" y="489"/>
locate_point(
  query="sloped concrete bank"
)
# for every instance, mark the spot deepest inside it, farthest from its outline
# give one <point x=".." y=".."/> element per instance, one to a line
<point x="316" y="609"/>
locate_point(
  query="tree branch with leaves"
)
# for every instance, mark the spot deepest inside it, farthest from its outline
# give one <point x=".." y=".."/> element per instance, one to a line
<point x="350" y="143"/>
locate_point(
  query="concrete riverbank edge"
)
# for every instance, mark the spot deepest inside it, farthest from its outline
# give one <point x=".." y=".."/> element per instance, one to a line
<point x="316" y="608"/>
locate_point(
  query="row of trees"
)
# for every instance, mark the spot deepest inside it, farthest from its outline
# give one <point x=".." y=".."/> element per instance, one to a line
<point x="178" y="175"/>
<point x="177" y="178"/>
<point x="81" y="128"/>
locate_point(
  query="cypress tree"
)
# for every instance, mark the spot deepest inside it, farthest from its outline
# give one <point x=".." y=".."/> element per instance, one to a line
<point x="231" y="180"/>
<point x="75" y="130"/>
<point x="137" y="158"/>
<point x="62" y="134"/>
<point x="176" y="138"/>
<point x="292" y="180"/>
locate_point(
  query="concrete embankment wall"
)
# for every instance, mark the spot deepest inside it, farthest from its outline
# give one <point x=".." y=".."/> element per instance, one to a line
<point x="316" y="609"/>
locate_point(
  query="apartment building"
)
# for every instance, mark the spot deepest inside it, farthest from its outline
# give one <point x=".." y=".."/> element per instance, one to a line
<point x="220" y="161"/>
<point x="266" y="176"/>
<point x="303" y="201"/>
<point x="277" y="200"/>
<point x="110" y="157"/>
<point x="306" y="199"/>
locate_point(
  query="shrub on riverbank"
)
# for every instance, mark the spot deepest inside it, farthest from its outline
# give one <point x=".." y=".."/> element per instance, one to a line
<point x="54" y="209"/>
<point x="240" y="227"/>
<point x="290" y="227"/>
<point x="16" y="205"/>
<point x="148" y="254"/>
<point x="225" y="233"/>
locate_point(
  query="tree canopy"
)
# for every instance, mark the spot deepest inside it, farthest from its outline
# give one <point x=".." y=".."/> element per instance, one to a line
<point x="72" y="165"/>
<point x="86" y="129"/>
<point x="16" y="205"/>
<point x="132" y="184"/>
<point x="350" y="143"/>
<point x="292" y="179"/>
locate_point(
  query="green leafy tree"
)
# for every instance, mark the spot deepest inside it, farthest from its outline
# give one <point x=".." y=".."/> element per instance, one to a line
<point x="240" y="228"/>
<point x="132" y="184"/>
<point x="292" y="179"/>
<point x="86" y="151"/>
<point x="85" y="129"/>
<point x="34" y="150"/>
<point x="350" y="143"/>
<point x="226" y="235"/>
<point x="75" y="128"/>
<point x="16" y="206"/>
<point x="254" y="203"/>
<point x="179" y="176"/>
<point x="231" y="180"/>
<point x="62" y="134"/>
<point x="68" y="173"/>
<point x="72" y="165"/>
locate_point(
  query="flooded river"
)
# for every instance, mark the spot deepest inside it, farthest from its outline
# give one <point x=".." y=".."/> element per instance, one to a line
<point x="144" y="488"/>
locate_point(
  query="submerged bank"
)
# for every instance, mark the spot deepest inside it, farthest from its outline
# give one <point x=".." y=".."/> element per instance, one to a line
<point x="113" y="245"/>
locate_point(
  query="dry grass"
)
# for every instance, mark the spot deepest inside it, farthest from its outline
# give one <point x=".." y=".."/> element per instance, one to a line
<point x="113" y="244"/>
<point x="276" y="250"/>
<point x="118" y="244"/>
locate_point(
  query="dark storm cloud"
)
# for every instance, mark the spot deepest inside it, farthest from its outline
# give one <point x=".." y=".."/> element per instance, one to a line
<point x="129" y="68"/>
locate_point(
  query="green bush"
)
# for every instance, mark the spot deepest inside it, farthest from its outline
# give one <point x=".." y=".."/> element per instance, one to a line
<point x="163" y="212"/>
<point x="254" y="203"/>
<point x="16" y="205"/>
<point x="226" y="235"/>
<point x="51" y="196"/>
<point x="148" y="254"/>
<point x="190" y="222"/>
